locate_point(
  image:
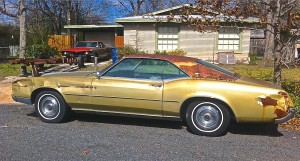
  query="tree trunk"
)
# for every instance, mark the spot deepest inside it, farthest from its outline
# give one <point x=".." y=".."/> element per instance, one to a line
<point x="22" y="20"/>
<point x="269" y="42"/>
<point x="69" y="16"/>
<point x="277" y="68"/>
<point x="276" y="50"/>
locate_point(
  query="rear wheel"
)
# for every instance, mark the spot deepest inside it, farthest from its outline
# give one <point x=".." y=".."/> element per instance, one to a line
<point x="51" y="107"/>
<point x="207" y="118"/>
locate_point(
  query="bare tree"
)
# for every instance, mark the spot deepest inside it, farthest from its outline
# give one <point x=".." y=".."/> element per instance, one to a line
<point x="283" y="25"/>
<point x="20" y="14"/>
<point x="68" y="12"/>
<point x="139" y="7"/>
<point x="133" y="7"/>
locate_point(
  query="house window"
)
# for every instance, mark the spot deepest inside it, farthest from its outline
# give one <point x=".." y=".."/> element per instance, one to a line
<point x="229" y="39"/>
<point x="167" y="38"/>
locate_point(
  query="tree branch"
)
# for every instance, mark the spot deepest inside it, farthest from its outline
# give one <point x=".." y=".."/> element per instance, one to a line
<point x="125" y="7"/>
<point x="4" y="11"/>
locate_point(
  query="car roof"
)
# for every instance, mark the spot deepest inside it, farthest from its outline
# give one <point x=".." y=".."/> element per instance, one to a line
<point x="189" y="65"/>
<point x="171" y="58"/>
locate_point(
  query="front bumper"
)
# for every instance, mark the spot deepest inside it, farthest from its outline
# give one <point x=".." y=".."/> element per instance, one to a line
<point x="22" y="100"/>
<point x="290" y="115"/>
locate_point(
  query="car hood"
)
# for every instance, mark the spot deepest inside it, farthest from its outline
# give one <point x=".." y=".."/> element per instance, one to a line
<point x="256" y="82"/>
<point x="78" y="49"/>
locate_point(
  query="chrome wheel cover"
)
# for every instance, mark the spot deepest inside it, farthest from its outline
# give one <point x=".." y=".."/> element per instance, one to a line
<point x="207" y="117"/>
<point x="48" y="106"/>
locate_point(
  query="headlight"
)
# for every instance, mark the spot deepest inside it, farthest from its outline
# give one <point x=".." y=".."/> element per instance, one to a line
<point x="86" y="53"/>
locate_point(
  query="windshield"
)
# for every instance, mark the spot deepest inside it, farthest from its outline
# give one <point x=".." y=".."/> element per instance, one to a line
<point x="100" y="72"/>
<point x="86" y="44"/>
<point x="217" y="68"/>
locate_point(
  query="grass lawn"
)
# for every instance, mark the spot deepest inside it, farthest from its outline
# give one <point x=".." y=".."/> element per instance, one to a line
<point x="265" y="73"/>
<point x="7" y="69"/>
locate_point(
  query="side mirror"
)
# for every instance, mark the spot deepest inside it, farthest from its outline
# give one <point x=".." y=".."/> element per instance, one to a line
<point x="98" y="75"/>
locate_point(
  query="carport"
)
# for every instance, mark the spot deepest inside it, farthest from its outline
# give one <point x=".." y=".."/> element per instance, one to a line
<point x="110" y="34"/>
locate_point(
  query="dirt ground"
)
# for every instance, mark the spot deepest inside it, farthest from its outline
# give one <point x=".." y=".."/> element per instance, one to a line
<point x="5" y="91"/>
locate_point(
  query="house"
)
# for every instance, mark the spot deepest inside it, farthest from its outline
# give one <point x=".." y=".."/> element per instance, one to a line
<point x="148" y="34"/>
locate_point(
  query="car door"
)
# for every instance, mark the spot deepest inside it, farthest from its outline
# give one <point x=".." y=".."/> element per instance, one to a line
<point x="133" y="86"/>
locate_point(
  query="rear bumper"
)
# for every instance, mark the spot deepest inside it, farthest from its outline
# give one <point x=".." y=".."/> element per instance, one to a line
<point x="290" y="115"/>
<point x="22" y="100"/>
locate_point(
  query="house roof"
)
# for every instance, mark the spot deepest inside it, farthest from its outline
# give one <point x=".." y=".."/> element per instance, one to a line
<point x="93" y="26"/>
<point x="168" y="9"/>
<point x="162" y="16"/>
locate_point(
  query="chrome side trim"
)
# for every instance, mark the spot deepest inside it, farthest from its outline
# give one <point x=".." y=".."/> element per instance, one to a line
<point x="70" y="94"/>
<point x="290" y="115"/>
<point x="142" y="99"/>
<point x="128" y="114"/>
<point x="172" y="101"/>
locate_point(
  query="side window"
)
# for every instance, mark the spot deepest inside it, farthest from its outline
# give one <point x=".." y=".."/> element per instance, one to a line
<point x="172" y="72"/>
<point x="149" y="69"/>
<point x="124" y="69"/>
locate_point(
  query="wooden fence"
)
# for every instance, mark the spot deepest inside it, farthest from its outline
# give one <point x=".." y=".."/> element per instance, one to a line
<point x="61" y="42"/>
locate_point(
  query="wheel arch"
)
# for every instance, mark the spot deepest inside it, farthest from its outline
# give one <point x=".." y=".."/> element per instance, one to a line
<point x="186" y="103"/>
<point x="39" y="90"/>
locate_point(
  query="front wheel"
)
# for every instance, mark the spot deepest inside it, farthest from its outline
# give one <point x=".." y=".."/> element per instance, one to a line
<point x="207" y="118"/>
<point x="51" y="107"/>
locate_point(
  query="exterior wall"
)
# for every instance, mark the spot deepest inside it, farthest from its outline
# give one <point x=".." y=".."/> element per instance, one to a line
<point x="141" y="35"/>
<point x="245" y="42"/>
<point x="107" y="37"/>
<point x="196" y="44"/>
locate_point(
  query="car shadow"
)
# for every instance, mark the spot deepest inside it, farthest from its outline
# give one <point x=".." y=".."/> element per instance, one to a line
<point x="85" y="117"/>
<point x="234" y="128"/>
<point x="255" y="129"/>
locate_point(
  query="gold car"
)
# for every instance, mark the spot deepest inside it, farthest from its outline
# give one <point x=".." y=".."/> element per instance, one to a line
<point x="203" y="95"/>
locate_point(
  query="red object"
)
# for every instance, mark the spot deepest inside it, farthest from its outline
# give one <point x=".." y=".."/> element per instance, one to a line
<point x="78" y="49"/>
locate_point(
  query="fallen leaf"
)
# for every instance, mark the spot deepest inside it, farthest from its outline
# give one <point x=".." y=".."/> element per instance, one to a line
<point x="85" y="152"/>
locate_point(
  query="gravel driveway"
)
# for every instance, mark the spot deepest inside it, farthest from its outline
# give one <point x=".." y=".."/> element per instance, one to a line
<point x="95" y="137"/>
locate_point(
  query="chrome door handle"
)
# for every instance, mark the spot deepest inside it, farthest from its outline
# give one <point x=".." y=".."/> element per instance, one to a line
<point x="156" y="85"/>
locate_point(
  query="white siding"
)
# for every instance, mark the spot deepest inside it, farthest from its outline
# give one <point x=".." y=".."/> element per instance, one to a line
<point x="196" y="44"/>
<point x="140" y="35"/>
<point x="245" y="42"/>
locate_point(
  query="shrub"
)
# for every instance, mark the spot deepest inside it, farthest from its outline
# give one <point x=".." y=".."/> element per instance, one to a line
<point x="163" y="52"/>
<point x="177" y="52"/>
<point x="254" y="59"/>
<point x="40" y="51"/>
<point x="293" y="88"/>
<point x="129" y="50"/>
